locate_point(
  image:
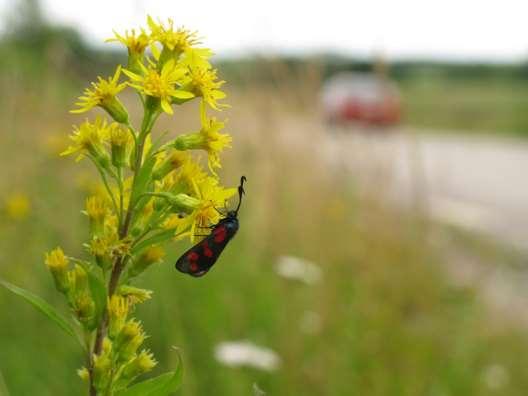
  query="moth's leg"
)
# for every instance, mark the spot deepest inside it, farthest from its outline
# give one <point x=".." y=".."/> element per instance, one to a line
<point x="219" y="212"/>
<point x="209" y="227"/>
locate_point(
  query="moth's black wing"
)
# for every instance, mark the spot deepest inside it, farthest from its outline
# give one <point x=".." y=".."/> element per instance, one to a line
<point x="201" y="257"/>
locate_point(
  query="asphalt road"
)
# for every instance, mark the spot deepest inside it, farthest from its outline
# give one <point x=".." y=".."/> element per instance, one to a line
<point x="479" y="183"/>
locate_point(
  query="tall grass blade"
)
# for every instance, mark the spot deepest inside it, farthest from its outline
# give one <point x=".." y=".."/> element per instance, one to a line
<point x="42" y="306"/>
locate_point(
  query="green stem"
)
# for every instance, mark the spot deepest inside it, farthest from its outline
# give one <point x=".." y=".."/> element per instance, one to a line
<point x="132" y="132"/>
<point x="151" y="226"/>
<point x="153" y="194"/>
<point x="121" y="194"/>
<point x="140" y="237"/>
<point x="89" y="361"/>
<point x="146" y="127"/>
<point x="107" y="186"/>
<point x="120" y="263"/>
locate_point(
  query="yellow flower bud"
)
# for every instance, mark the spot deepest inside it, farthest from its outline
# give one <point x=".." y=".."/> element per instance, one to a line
<point x="180" y="202"/>
<point x="117" y="314"/>
<point x="145" y="361"/>
<point x="79" y="296"/>
<point x="100" y="248"/>
<point x="115" y="108"/>
<point x="141" y="364"/>
<point x="84" y="374"/>
<point x="78" y="280"/>
<point x="135" y="295"/>
<point x="152" y="255"/>
<point x="107" y="346"/>
<point x="174" y="160"/>
<point x="119" y="140"/>
<point x="84" y="309"/>
<point x="189" y="141"/>
<point x="57" y="263"/>
<point x="128" y="340"/>
<point x="96" y="210"/>
<point x="101" y="371"/>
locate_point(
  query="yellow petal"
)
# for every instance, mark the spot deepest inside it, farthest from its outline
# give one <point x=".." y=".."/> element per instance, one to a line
<point x="165" y="105"/>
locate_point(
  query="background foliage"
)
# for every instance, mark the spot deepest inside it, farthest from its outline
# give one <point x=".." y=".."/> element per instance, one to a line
<point x="391" y="322"/>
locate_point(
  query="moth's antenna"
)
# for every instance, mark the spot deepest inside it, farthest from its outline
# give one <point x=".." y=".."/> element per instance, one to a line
<point x="241" y="192"/>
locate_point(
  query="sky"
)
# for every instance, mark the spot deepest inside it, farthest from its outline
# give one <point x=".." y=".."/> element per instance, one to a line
<point x="492" y="30"/>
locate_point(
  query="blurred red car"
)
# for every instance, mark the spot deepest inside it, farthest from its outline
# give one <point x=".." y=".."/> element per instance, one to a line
<point x="361" y="98"/>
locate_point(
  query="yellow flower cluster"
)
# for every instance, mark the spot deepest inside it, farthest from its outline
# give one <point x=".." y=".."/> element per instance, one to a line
<point x="176" y="72"/>
<point x="154" y="190"/>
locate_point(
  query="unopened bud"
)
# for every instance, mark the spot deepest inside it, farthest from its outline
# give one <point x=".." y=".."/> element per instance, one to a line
<point x="128" y="340"/>
<point x="141" y="364"/>
<point x="180" y="202"/>
<point x="135" y="295"/>
<point x="101" y="371"/>
<point x="115" y="108"/>
<point x="78" y="280"/>
<point x="100" y="250"/>
<point x="57" y="263"/>
<point x="84" y="310"/>
<point x="189" y="141"/>
<point x="152" y="255"/>
<point x="119" y="140"/>
<point x="96" y="210"/>
<point x="84" y="374"/>
<point x="174" y="160"/>
<point x="117" y="314"/>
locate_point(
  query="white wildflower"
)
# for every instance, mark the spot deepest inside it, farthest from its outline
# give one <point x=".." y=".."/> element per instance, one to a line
<point x="245" y="353"/>
<point x="495" y="376"/>
<point x="296" y="268"/>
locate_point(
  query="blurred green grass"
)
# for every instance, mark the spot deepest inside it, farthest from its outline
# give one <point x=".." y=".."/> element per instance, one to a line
<point x="482" y="105"/>
<point x="391" y="321"/>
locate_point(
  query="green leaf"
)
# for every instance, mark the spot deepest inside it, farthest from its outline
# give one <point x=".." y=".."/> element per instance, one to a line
<point x="141" y="184"/>
<point x="98" y="290"/>
<point x="144" y="176"/>
<point x="157" y="144"/>
<point x="162" y="385"/>
<point x="155" y="239"/>
<point x="42" y="306"/>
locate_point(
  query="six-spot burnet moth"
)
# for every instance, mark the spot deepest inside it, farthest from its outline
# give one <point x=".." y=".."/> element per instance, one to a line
<point x="201" y="257"/>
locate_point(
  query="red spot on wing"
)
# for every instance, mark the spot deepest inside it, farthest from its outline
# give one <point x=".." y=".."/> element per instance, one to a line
<point x="220" y="234"/>
<point x="193" y="256"/>
<point x="207" y="250"/>
<point x="193" y="266"/>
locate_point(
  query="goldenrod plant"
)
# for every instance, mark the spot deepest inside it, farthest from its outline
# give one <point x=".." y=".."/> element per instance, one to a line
<point x="154" y="190"/>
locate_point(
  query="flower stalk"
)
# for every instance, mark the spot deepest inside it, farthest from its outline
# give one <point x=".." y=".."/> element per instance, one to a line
<point x="149" y="194"/>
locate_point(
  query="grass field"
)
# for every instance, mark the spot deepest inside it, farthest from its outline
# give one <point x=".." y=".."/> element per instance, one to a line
<point x="385" y="318"/>
<point x="485" y="105"/>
